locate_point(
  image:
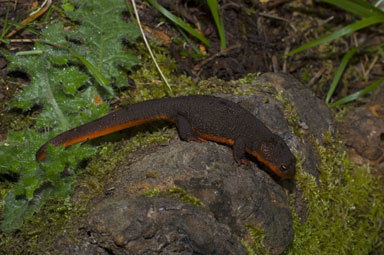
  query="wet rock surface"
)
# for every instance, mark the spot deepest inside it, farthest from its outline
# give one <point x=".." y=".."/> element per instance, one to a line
<point x="160" y="225"/>
<point x="230" y="198"/>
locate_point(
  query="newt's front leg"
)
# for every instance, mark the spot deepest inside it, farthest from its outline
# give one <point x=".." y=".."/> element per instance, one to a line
<point x="239" y="151"/>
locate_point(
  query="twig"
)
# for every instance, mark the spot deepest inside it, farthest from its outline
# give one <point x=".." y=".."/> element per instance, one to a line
<point x="316" y="77"/>
<point x="275" y="64"/>
<point x="326" y="21"/>
<point x="372" y="65"/>
<point x="267" y="15"/>
<point x="32" y="16"/>
<point x="285" y="59"/>
<point x="25" y="40"/>
<point x="197" y="68"/>
<point x="273" y="4"/>
<point x="148" y="47"/>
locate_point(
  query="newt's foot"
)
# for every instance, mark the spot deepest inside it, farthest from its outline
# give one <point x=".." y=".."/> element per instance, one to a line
<point x="243" y="161"/>
<point x="197" y="139"/>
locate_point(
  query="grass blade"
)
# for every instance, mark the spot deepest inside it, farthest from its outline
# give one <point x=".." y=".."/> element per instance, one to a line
<point x="10" y="23"/>
<point x="340" y="72"/>
<point x="358" y="94"/>
<point x="344" y="31"/>
<point x="381" y="51"/>
<point x="5" y="26"/>
<point x="213" y="6"/>
<point x="149" y="47"/>
<point x="179" y="22"/>
<point x="359" y="7"/>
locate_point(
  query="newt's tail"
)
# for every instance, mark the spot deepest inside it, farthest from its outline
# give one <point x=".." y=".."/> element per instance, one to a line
<point x="112" y="122"/>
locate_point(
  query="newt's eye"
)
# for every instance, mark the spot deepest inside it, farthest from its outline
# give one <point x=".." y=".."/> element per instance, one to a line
<point x="283" y="168"/>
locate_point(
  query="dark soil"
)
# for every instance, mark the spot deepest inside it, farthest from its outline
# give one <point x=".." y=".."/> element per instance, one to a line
<point x="253" y="40"/>
<point x="258" y="35"/>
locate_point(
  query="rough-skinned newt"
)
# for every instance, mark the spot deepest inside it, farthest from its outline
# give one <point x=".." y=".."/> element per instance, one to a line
<point x="197" y="118"/>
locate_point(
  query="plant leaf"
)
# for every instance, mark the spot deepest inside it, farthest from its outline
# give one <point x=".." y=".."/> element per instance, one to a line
<point x="358" y="94"/>
<point x="101" y="33"/>
<point x="17" y="152"/>
<point x="68" y="98"/>
<point x="179" y="22"/>
<point x="15" y="211"/>
<point x="339" y="73"/>
<point x="71" y="79"/>
<point x="213" y="6"/>
<point x="342" y="32"/>
<point x="359" y="7"/>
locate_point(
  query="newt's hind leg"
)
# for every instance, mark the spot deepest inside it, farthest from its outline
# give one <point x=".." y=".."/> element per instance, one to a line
<point x="185" y="130"/>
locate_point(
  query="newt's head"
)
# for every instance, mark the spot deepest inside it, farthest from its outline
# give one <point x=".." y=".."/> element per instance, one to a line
<point x="277" y="156"/>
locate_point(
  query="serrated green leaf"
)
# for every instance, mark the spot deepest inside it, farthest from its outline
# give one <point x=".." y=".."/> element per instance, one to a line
<point x="55" y="165"/>
<point x="70" y="79"/>
<point x="67" y="7"/>
<point x="104" y="82"/>
<point x="59" y="60"/>
<point x="102" y="33"/>
<point x="54" y="33"/>
<point x="31" y="94"/>
<point x="17" y="152"/>
<point x="75" y="154"/>
<point x="68" y="98"/>
<point x="31" y="179"/>
<point x="15" y="211"/>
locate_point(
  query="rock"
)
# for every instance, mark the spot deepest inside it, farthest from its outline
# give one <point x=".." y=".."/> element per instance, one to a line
<point x="235" y="195"/>
<point x="310" y="109"/>
<point x="204" y="203"/>
<point x="362" y="129"/>
<point x="160" y="225"/>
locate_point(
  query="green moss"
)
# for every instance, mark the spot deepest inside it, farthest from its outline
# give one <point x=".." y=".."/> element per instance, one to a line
<point x="345" y="208"/>
<point x="290" y="114"/>
<point x="101" y="168"/>
<point x="342" y="111"/>
<point x="149" y="85"/>
<point x="249" y="78"/>
<point x="38" y="232"/>
<point x="254" y="241"/>
<point x="151" y="175"/>
<point x="178" y="193"/>
<point x="306" y="75"/>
